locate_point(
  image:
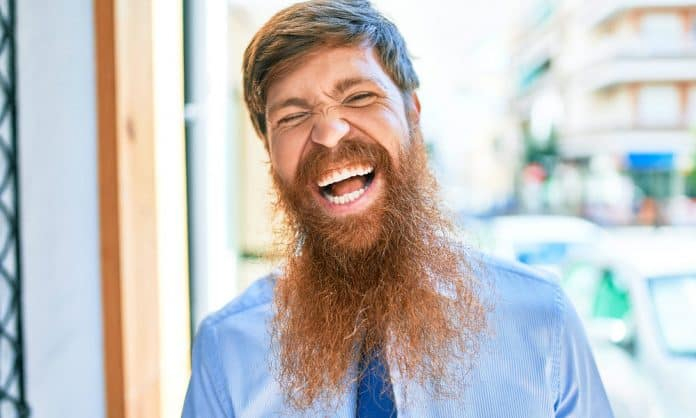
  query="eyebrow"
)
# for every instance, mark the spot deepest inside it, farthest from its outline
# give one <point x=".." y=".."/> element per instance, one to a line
<point x="343" y="85"/>
<point x="340" y="88"/>
<point x="292" y="101"/>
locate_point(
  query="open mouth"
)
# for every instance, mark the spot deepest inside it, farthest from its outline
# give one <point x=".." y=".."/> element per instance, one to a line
<point x="346" y="185"/>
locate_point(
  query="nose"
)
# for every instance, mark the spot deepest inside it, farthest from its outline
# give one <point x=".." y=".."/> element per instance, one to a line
<point x="329" y="130"/>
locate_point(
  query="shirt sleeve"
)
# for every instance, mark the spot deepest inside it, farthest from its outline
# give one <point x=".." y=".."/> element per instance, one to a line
<point x="206" y="396"/>
<point x="580" y="392"/>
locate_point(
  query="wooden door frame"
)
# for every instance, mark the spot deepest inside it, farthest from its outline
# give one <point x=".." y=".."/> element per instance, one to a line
<point x="142" y="195"/>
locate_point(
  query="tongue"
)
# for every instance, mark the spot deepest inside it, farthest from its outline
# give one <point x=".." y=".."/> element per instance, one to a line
<point x="348" y="185"/>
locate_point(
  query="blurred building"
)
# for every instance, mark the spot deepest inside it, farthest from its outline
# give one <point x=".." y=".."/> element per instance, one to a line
<point x="608" y="88"/>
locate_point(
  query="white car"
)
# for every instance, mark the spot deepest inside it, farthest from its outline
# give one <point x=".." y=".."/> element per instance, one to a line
<point x="543" y="241"/>
<point x="638" y="302"/>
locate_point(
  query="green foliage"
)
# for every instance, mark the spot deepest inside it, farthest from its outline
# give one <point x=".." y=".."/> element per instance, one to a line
<point x="541" y="152"/>
<point x="691" y="183"/>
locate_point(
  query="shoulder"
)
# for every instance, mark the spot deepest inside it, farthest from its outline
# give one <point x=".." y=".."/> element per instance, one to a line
<point x="516" y="283"/>
<point x="229" y="345"/>
<point x="240" y="318"/>
<point x="237" y="335"/>
<point x="528" y="306"/>
<point x="258" y="294"/>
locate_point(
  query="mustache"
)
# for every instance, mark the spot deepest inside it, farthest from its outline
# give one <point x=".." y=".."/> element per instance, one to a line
<point x="319" y="159"/>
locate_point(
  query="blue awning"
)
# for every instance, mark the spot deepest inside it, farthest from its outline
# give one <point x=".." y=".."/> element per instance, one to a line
<point x="650" y="161"/>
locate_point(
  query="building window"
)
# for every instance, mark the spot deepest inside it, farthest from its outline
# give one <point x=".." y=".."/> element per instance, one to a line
<point x="658" y="106"/>
<point x="661" y="32"/>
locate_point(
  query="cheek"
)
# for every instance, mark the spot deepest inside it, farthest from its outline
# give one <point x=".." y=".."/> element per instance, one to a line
<point x="388" y="128"/>
<point x="284" y="167"/>
<point x="285" y="158"/>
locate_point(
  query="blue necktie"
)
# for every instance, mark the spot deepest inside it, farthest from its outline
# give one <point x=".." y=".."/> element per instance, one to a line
<point x="375" y="395"/>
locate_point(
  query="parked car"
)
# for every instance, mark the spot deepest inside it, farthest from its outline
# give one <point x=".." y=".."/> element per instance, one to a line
<point x="544" y="241"/>
<point x="635" y="289"/>
<point x="638" y="301"/>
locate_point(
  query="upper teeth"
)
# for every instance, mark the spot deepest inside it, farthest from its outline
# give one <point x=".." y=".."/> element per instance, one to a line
<point x="342" y="174"/>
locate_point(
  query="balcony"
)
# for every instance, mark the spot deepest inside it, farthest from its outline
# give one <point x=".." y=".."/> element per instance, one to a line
<point x="637" y="70"/>
<point x="602" y="12"/>
<point x="624" y="140"/>
<point x="640" y="48"/>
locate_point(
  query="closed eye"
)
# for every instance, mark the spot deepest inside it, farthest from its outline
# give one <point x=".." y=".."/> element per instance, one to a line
<point x="360" y="99"/>
<point x="292" y="118"/>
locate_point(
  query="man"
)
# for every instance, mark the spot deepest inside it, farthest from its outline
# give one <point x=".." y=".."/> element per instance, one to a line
<point x="377" y="309"/>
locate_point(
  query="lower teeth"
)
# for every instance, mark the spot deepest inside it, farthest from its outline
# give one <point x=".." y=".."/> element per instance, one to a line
<point x="346" y="198"/>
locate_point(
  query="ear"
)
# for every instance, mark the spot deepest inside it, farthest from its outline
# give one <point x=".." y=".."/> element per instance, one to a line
<point x="414" y="107"/>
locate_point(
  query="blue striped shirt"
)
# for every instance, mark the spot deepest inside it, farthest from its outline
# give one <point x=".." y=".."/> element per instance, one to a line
<point x="535" y="361"/>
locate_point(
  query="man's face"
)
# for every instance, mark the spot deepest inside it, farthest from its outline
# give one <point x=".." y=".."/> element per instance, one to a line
<point x="335" y="95"/>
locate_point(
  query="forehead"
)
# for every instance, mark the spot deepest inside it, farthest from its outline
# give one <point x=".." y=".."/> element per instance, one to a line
<point x="322" y="69"/>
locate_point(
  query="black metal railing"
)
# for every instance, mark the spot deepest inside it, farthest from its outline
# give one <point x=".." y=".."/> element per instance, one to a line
<point x="12" y="390"/>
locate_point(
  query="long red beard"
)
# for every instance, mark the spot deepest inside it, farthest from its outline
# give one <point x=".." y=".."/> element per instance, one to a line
<point x="390" y="278"/>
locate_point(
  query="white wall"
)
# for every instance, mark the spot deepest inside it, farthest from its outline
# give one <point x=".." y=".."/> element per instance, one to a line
<point x="59" y="208"/>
